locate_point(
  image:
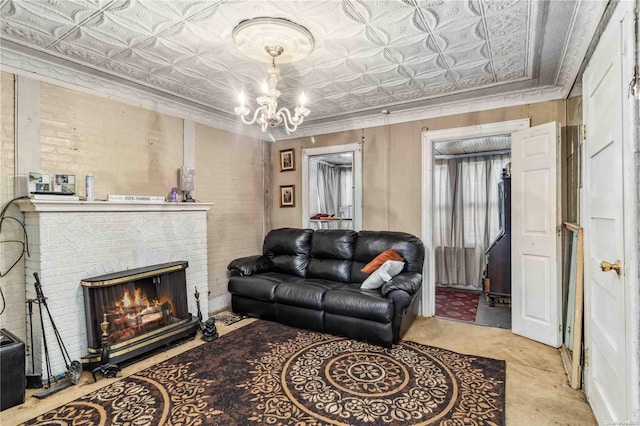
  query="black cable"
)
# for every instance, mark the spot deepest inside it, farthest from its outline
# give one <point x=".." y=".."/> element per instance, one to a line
<point x="25" y="244"/>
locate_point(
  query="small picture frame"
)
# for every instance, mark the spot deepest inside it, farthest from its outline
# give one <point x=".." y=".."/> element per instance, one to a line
<point x="287" y="195"/>
<point x="287" y="160"/>
<point x="39" y="182"/>
<point x="64" y="183"/>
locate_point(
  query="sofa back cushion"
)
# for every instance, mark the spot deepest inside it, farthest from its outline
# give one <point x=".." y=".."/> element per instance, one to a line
<point x="288" y="249"/>
<point x="369" y="244"/>
<point x="331" y="254"/>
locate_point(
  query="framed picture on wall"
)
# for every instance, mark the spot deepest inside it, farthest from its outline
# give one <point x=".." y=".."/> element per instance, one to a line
<point x="287" y="160"/>
<point x="287" y="195"/>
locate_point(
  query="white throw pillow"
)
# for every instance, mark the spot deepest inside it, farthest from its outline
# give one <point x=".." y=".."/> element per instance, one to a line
<point x="383" y="274"/>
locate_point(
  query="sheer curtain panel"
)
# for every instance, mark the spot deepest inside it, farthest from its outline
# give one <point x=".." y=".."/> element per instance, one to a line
<point x="465" y="217"/>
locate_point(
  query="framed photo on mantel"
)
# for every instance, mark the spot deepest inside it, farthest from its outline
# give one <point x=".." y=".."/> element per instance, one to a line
<point x="287" y="196"/>
<point x="287" y="160"/>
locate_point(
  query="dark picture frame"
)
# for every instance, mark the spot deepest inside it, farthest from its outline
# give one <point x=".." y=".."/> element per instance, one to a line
<point x="287" y="195"/>
<point x="287" y="160"/>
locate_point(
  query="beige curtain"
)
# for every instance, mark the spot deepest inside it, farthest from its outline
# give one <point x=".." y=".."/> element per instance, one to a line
<point x="465" y="217"/>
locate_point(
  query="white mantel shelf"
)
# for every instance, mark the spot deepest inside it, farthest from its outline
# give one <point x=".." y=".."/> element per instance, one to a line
<point x="51" y="206"/>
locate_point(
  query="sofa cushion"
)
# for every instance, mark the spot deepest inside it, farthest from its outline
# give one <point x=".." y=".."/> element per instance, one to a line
<point x="288" y="249"/>
<point x="333" y="244"/>
<point x="305" y="293"/>
<point x="260" y="286"/>
<point x="329" y="269"/>
<point x="351" y="301"/>
<point x="370" y="244"/>
<point x="383" y="274"/>
<point x="331" y="253"/>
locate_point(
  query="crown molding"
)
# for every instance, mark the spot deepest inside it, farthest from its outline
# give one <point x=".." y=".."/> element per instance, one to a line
<point x="48" y="71"/>
<point x="583" y="27"/>
<point x="504" y="100"/>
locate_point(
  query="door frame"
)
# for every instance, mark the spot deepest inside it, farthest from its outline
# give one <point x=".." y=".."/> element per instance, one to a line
<point x="631" y="210"/>
<point x="356" y="149"/>
<point x="428" y="305"/>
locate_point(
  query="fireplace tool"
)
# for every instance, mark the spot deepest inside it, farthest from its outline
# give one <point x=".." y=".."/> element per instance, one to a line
<point x="74" y="368"/>
<point x="34" y="381"/>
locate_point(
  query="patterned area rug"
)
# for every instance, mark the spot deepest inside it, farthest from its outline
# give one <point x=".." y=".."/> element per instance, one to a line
<point x="268" y="373"/>
<point x="228" y="318"/>
<point x="458" y="305"/>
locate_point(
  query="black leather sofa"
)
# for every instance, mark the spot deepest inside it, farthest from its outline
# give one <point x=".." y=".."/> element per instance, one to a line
<point x="311" y="279"/>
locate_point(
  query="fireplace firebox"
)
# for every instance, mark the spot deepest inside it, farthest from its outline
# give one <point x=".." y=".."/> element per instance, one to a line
<point x="145" y="308"/>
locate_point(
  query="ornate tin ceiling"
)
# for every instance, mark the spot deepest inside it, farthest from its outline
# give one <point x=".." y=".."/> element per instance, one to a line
<point x="400" y="55"/>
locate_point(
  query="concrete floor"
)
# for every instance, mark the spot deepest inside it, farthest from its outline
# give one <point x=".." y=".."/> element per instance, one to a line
<point x="537" y="389"/>
<point x="498" y="315"/>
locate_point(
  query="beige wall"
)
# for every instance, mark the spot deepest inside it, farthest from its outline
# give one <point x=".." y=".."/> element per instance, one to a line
<point x="131" y="150"/>
<point x="128" y="150"/>
<point x="392" y="164"/>
<point x="229" y="172"/>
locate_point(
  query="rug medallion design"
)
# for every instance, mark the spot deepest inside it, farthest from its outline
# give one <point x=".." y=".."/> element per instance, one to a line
<point x="267" y="373"/>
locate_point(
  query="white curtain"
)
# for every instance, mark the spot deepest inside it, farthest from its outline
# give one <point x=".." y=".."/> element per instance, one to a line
<point x="328" y="180"/>
<point x="465" y="217"/>
<point x="345" y="204"/>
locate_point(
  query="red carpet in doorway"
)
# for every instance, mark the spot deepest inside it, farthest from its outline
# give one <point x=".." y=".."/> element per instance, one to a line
<point x="458" y="305"/>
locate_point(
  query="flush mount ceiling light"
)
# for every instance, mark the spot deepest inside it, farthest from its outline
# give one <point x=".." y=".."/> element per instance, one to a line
<point x="265" y="39"/>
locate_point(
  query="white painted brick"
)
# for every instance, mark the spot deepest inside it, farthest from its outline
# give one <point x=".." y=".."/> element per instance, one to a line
<point x="104" y="249"/>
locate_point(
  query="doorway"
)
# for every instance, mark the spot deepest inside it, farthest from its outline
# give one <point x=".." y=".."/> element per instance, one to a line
<point x="429" y="141"/>
<point x="471" y="227"/>
<point x="332" y="187"/>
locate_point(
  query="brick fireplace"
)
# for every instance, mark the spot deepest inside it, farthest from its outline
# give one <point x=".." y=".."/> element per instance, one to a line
<point x="71" y="241"/>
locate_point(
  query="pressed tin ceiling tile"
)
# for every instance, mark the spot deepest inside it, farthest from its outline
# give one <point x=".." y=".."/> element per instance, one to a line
<point x="368" y="55"/>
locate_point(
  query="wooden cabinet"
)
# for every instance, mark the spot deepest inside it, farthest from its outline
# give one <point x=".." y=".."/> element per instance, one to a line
<point x="498" y="277"/>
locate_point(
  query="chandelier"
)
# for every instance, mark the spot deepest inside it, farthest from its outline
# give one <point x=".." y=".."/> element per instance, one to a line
<point x="281" y="39"/>
<point x="268" y="114"/>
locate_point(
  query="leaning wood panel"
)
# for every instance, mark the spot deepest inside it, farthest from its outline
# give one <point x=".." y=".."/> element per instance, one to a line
<point x="572" y="359"/>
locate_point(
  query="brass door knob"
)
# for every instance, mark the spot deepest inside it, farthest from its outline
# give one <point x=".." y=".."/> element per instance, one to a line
<point x="606" y="266"/>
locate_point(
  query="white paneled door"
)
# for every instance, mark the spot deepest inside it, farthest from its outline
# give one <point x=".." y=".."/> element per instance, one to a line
<point x="603" y="220"/>
<point x="535" y="228"/>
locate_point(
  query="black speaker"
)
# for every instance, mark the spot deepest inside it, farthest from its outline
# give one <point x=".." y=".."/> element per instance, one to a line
<point x="12" y="377"/>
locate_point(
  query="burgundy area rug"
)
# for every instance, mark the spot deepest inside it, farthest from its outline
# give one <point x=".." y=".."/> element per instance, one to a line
<point x="268" y="373"/>
<point x="458" y="305"/>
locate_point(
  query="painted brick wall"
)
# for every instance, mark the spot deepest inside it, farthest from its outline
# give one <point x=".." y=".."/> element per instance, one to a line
<point x="128" y="150"/>
<point x="70" y="246"/>
<point x="229" y="173"/>
<point x="13" y="319"/>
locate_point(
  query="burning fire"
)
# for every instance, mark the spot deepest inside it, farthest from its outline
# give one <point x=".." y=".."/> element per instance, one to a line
<point x="139" y="299"/>
<point x="135" y="312"/>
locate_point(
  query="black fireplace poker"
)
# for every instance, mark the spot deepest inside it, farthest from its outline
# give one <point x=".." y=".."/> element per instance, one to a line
<point x="74" y="368"/>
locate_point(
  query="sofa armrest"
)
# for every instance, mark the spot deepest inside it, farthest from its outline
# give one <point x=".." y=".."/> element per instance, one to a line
<point x="249" y="265"/>
<point x="407" y="281"/>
